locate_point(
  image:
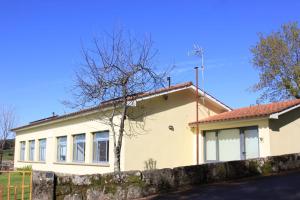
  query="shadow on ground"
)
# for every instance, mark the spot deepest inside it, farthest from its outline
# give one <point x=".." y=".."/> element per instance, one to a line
<point x="284" y="186"/>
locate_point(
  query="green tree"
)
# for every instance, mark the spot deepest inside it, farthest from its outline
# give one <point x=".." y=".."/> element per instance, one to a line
<point x="277" y="58"/>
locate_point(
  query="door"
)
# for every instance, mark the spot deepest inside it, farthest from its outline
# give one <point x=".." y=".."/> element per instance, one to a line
<point x="251" y="143"/>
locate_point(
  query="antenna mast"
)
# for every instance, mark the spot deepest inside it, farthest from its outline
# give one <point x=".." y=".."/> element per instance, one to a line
<point x="199" y="52"/>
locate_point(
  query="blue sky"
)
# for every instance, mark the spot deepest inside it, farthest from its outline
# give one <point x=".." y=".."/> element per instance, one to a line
<point x="40" y="44"/>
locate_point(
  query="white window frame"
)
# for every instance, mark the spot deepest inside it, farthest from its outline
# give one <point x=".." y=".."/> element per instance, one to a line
<point x="31" y="150"/>
<point x="77" y="139"/>
<point x="22" y="150"/>
<point x="42" y="149"/>
<point x="103" y="136"/>
<point x="60" y="146"/>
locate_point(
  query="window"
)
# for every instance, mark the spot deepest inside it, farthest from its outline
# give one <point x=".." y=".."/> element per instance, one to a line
<point x="22" y="150"/>
<point x="78" y="148"/>
<point x="211" y="145"/>
<point x="231" y="144"/>
<point x="62" y="148"/>
<point x="42" y="149"/>
<point x="31" y="149"/>
<point x="101" y="147"/>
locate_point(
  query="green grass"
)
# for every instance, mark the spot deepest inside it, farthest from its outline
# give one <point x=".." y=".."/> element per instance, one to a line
<point x="16" y="180"/>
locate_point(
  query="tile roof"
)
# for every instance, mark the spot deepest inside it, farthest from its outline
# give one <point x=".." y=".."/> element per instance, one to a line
<point x="263" y="110"/>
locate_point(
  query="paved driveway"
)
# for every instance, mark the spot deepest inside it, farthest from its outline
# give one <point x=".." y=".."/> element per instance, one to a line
<point x="284" y="186"/>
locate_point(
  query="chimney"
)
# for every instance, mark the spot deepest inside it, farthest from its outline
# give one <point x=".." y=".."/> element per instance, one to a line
<point x="169" y="80"/>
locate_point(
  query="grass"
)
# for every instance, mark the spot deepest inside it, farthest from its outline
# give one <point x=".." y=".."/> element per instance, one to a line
<point x="16" y="180"/>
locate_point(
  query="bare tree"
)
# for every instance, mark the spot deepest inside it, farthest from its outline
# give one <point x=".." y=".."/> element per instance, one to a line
<point x="116" y="70"/>
<point x="7" y="122"/>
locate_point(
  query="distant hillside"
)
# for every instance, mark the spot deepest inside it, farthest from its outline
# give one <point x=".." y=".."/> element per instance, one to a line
<point x="8" y="153"/>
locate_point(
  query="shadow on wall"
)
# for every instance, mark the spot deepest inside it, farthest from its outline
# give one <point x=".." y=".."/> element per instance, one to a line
<point x="285" y="119"/>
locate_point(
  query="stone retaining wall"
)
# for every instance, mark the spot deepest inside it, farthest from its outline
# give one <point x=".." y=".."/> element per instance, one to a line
<point x="135" y="184"/>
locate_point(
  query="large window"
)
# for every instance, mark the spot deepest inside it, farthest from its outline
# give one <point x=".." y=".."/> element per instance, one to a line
<point x="101" y="147"/>
<point x="22" y="150"/>
<point x="31" y="150"/>
<point x="62" y="149"/>
<point x="78" y="148"/>
<point x="42" y="149"/>
<point x="231" y="144"/>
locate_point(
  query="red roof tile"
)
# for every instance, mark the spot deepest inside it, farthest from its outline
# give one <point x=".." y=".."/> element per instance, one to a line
<point x="251" y="112"/>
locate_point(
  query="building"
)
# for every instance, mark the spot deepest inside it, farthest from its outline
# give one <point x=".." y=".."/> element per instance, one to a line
<point x="81" y="142"/>
<point x="251" y="132"/>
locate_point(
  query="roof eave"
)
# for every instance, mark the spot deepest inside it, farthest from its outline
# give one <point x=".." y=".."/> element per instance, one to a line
<point x="192" y="124"/>
<point x="212" y="98"/>
<point x="276" y="115"/>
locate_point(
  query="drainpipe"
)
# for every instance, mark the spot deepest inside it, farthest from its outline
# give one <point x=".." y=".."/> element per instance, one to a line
<point x="197" y="116"/>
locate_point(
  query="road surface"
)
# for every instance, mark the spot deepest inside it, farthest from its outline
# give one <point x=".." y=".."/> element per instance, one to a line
<point x="285" y="186"/>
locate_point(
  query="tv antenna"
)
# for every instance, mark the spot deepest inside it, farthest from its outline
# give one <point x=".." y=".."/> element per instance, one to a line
<point x="199" y="52"/>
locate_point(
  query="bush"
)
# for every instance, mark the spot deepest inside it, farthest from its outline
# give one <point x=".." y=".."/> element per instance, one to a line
<point x="27" y="168"/>
<point x="150" y="164"/>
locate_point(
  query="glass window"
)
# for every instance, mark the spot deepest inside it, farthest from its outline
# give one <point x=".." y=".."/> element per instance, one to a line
<point x="211" y="145"/>
<point x="62" y="148"/>
<point x="229" y="145"/>
<point x="42" y="149"/>
<point x="101" y="147"/>
<point x="22" y="150"/>
<point x="78" y="148"/>
<point x="31" y="149"/>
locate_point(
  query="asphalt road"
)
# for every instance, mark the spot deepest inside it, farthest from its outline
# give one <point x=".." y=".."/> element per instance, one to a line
<point x="284" y="186"/>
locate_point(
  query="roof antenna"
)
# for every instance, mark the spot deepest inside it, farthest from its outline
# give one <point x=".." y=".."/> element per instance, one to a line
<point x="199" y="52"/>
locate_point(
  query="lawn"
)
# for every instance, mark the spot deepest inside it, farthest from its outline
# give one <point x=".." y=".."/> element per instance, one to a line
<point x="16" y="180"/>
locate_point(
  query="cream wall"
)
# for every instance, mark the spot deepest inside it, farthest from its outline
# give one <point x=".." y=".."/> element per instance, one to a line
<point x="86" y="125"/>
<point x="169" y="148"/>
<point x="285" y="133"/>
<point x="263" y="131"/>
<point x="147" y="137"/>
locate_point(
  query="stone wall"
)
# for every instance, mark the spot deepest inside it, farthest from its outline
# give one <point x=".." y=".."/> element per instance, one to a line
<point x="135" y="184"/>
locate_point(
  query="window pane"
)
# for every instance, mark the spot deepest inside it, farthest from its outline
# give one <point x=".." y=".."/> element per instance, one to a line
<point x="79" y="148"/>
<point x="211" y="146"/>
<point x="42" y="149"/>
<point x="101" y="147"/>
<point x="229" y="145"/>
<point x="31" y="150"/>
<point x="22" y="150"/>
<point x="62" y="148"/>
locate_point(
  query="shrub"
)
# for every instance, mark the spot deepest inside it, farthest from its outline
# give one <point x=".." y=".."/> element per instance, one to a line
<point x="150" y="164"/>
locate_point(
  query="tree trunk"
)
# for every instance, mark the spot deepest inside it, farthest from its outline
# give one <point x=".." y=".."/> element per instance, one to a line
<point x="117" y="160"/>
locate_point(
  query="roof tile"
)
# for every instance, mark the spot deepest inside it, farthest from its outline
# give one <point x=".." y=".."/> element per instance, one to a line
<point x="251" y="111"/>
